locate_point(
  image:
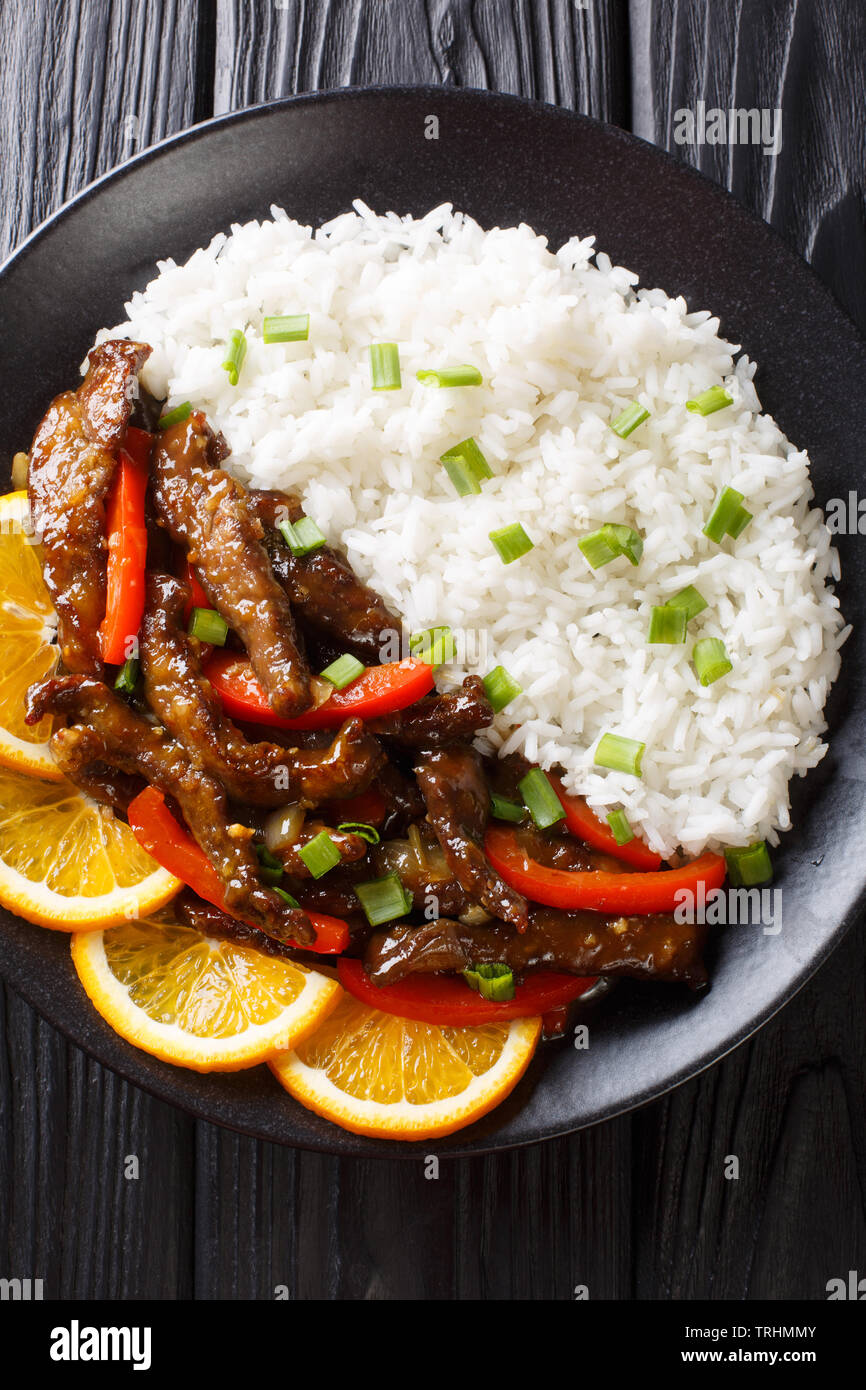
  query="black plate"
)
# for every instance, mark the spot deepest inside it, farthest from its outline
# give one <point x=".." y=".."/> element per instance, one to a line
<point x="502" y="160"/>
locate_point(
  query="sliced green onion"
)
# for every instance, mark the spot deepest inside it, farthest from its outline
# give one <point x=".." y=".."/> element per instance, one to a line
<point x="716" y="398"/>
<point x="175" y="417"/>
<point x="540" y="799"/>
<point x="727" y="516"/>
<point x="385" y="367"/>
<point x="609" y="542"/>
<point x="359" y="827"/>
<point x="435" y="646"/>
<point x="627" y="422"/>
<point x="500" y="688"/>
<point x="450" y="376"/>
<point x="491" y="980"/>
<point x="620" y="754"/>
<point x="466" y="466"/>
<point x="272" y="868"/>
<point x="286" y="897"/>
<point x="511" y="542"/>
<point x="236" y="351"/>
<point x="711" y="660"/>
<point x="320" y="854"/>
<point x="301" y="536"/>
<point x="127" y="676"/>
<point x="383" y="899"/>
<point x="286" y="328"/>
<point x="208" y="626"/>
<point x="667" y="625"/>
<point x="502" y="809"/>
<point x="343" y="671"/>
<point x="690" y="600"/>
<point x="622" y="831"/>
<point x="750" y="865"/>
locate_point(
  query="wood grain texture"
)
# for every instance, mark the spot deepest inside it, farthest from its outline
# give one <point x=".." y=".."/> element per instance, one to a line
<point x="639" y="1207"/>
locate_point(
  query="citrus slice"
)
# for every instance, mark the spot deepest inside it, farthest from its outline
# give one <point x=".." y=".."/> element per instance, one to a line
<point x="374" y="1073"/>
<point x="27" y="632"/>
<point x="208" y="1004"/>
<point x="68" y="863"/>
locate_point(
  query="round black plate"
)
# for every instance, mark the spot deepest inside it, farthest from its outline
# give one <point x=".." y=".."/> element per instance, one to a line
<point x="504" y="161"/>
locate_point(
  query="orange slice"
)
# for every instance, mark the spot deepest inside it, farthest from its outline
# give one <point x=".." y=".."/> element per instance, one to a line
<point x="27" y="634"/>
<point x="374" y="1073"/>
<point x="211" y="1005"/>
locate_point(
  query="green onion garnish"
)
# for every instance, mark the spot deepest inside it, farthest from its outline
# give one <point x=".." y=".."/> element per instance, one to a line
<point x="343" y="671"/>
<point x="385" y="367"/>
<point x="728" y="517"/>
<point x="235" y="354"/>
<point x="500" y="688"/>
<point x="287" y="897"/>
<point x="619" y="754"/>
<point x="502" y="809"/>
<point x="492" y="981"/>
<point x="175" y="417"/>
<point x="208" y="626"/>
<point x="690" y="600"/>
<point x="716" y="398"/>
<point x="271" y="867"/>
<point x="320" y="854"/>
<point x="383" y="899"/>
<point x="750" y="865"/>
<point x="435" y="646"/>
<point x="301" y="536"/>
<point x="711" y="660"/>
<point x="466" y="466"/>
<point x="667" y="625"/>
<point x="622" y="831"/>
<point x="540" y="799"/>
<point x="629" y="419"/>
<point x="609" y="542"/>
<point x="511" y="542"/>
<point x="127" y="676"/>
<point x="359" y="827"/>
<point x="286" y="328"/>
<point x="450" y="376"/>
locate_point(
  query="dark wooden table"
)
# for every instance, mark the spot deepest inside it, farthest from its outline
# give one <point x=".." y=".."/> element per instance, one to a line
<point x="637" y="1208"/>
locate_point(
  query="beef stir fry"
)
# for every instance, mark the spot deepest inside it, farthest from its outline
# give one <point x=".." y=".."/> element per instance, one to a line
<point x="317" y="795"/>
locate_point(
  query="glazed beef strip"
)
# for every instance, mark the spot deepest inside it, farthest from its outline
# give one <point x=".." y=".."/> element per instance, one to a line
<point x="350" y="847"/>
<point x="210" y="921"/>
<point x="322" y="586"/>
<point x="72" y="462"/>
<point x="458" y="804"/>
<point x="207" y="511"/>
<point x="437" y="720"/>
<point x="582" y="943"/>
<point x="258" y="774"/>
<point x="107" y="731"/>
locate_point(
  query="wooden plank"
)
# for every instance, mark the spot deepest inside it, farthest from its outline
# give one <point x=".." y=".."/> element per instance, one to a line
<point x="92" y="82"/>
<point x="555" y="51"/>
<point x="807" y="60"/>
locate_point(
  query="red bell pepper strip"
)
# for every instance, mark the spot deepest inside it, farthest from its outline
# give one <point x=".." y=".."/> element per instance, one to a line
<point x="621" y="894"/>
<point x="448" y="1000"/>
<point x="168" y="843"/>
<point x="367" y="808"/>
<point x="198" y="598"/>
<point x="380" y="690"/>
<point x="586" y="825"/>
<point x="127" y="550"/>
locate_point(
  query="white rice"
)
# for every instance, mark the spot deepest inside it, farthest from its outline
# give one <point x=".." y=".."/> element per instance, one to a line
<point x="564" y="342"/>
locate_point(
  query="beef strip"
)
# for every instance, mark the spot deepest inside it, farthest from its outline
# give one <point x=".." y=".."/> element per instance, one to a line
<point x="210" y="921"/>
<point x="405" y="802"/>
<point x="557" y="848"/>
<point x="350" y="847"/>
<point x="72" y="461"/>
<point x="458" y="804"/>
<point x="207" y="511"/>
<point x="582" y="943"/>
<point x="107" y="731"/>
<point x="323" y="587"/>
<point x="258" y="774"/>
<point x="437" y="720"/>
